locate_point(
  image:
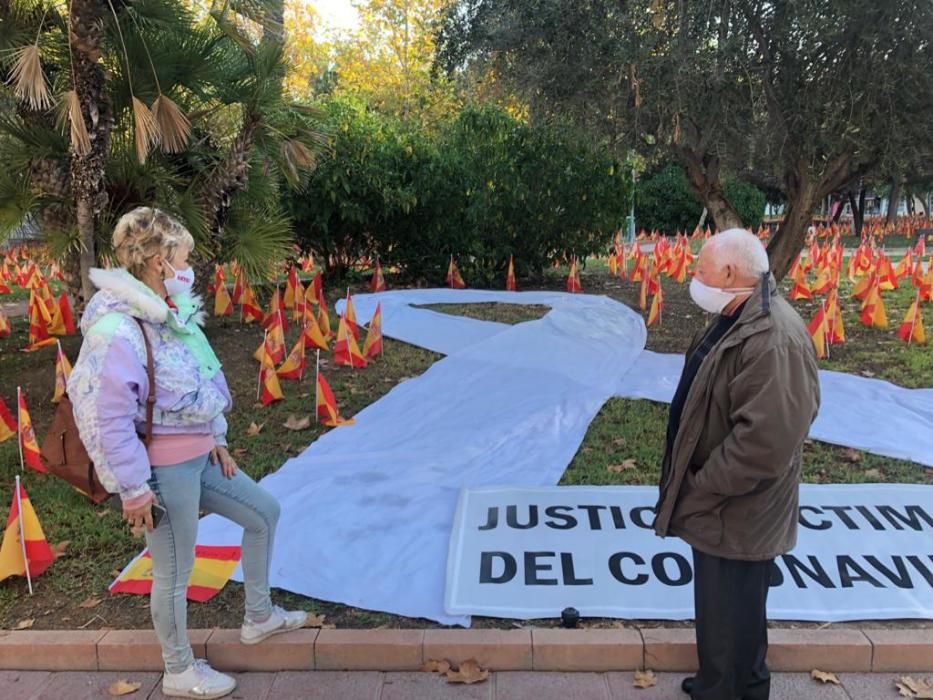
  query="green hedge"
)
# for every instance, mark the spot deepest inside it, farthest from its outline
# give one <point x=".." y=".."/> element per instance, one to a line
<point x="483" y="187"/>
<point x="664" y="200"/>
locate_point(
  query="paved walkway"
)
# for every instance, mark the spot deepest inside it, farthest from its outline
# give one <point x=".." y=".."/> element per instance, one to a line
<point x="328" y="685"/>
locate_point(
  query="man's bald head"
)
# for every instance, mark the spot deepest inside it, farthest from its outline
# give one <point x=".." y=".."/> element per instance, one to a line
<point x="734" y="258"/>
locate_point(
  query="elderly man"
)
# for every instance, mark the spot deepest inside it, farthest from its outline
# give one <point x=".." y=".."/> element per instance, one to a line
<point x="729" y="480"/>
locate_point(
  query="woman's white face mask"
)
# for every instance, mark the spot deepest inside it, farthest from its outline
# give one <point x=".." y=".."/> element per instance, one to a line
<point x="181" y="281"/>
<point x="713" y="299"/>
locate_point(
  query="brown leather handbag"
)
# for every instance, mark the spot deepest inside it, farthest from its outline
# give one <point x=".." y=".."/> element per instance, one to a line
<point x="63" y="453"/>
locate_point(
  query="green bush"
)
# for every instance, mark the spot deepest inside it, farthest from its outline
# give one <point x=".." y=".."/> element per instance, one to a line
<point x="482" y="187"/>
<point x="664" y="200"/>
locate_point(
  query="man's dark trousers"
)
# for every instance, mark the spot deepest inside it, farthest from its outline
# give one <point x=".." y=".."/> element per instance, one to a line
<point x="731" y="627"/>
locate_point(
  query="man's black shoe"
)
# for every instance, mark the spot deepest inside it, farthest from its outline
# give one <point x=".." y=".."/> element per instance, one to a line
<point x="686" y="684"/>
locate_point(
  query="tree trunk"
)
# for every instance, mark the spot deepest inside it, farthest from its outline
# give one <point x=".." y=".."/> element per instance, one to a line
<point x="703" y="176"/>
<point x="792" y="232"/>
<point x="858" y="211"/>
<point x="894" y="198"/>
<point x="87" y="169"/>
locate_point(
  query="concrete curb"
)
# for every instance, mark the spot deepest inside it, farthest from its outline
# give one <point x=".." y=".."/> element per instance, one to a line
<point x="600" y="650"/>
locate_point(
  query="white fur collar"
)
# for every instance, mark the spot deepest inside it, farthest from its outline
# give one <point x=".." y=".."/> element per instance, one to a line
<point x="126" y="288"/>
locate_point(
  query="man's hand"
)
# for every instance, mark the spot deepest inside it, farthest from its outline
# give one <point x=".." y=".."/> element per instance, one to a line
<point x="220" y="455"/>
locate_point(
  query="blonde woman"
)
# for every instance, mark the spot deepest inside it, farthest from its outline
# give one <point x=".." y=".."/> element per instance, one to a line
<point x="186" y="467"/>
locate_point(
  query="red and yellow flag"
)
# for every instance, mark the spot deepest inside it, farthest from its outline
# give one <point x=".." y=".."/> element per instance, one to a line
<point x="657" y="307"/>
<point x="454" y="280"/>
<point x="327" y="411"/>
<point x="573" y="279"/>
<point x="873" y="314"/>
<point x="837" y="332"/>
<point x="819" y="330"/>
<point x="62" y="372"/>
<point x="238" y="289"/>
<point x="27" y="436"/>
<point x="64" y="307"/>
<point x="269" y="388"/>
<point x="912" y="330"/>
<point x="291" y="288"/>
<point x="276" y="313"/>
<point x="378" y="282"/>
<point x="613" y="262"/>
<point x="349" y="315"/>
<point x="5" y="327"/>
<point x="347" y="351"/>
<point x="510" y="284"/>
<point x="7" y="422"/>
<point x="800" y="290"/>
<point x="294" y="365"/>
<point x="213" y="567"/>
<point x="223" y="304"/>
<point x="24" y="549"/>
<point x="249" y="309"/>
<point x="274" y="342"/>
<point x="313" y="334"/>
<point x="373" y="344"/>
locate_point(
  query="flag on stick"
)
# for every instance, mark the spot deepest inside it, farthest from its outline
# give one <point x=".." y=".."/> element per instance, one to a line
<point x="912" y="330"/>
<point x="373" y="344"/>
<point x="327" y="411"/>
<point x="62" y="372"/>
<point x="28" y="447"/>
<point x="24" y="551"/>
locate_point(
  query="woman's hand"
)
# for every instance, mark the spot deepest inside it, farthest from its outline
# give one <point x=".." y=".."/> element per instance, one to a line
<point x="227" y="463"/>
<point x="139" y="518"/>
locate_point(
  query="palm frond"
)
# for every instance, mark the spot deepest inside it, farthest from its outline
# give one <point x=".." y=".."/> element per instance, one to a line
<point x="28" y="79"/>
<point x="16" y="201"/>
<point x="71" y="114"/>
<point x="172" y="124"/>
<point x="257" y="239"/>
<point x="145" y="128"/>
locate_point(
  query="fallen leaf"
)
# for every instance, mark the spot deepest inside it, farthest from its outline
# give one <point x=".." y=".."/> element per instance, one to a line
<point x="619" y="441"/>
<point x="914" y="687"/>
<point x="24" y="624"/>
<point x="315" y="620"/>
<point x="645" y="679"/>
<point x="296" y="423"/>
<point x="59" y="549"/>
<point x="435" y="666"/>
<point x="867" y="373"/>
<point x="468" y="673"/>
<point x="254" y="429"/>
<point x="239" y="452"/>
<point x="625" y="466"/>
<point x="824" y="676"/>
<point x="852" y="455"/>
<point x="90" y="603"/>
<point x="122" y="687"/>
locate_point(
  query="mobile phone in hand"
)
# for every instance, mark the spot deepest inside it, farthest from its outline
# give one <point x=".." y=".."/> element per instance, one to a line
<point x="158" y="512"/>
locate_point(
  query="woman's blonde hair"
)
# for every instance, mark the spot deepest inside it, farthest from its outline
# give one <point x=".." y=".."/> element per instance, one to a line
<point x="144" y="232"/>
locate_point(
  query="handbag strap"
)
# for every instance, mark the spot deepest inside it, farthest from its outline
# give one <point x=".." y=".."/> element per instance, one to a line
<point x="150" y="373"/>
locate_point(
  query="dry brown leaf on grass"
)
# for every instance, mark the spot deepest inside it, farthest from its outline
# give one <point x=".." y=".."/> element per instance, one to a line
<point x="59" y="549"/>
<point x="90" y="603"/>
<point x="123" y="687"/>
<point x="619" y="441"/>
<point x="645" y="679"/>
<point x="435" y="666"/>
<point x="25" y="624"/>
<point x="254" y="429"/>
<point x="624" y="467"/>
<point x="852" y="455"/>
<point x="824" y="676"/>
<point x="239" y="452"/>
<point x="315" y="620"/>
<point x="914" y="687"/>
<point x="296" y="423"/>
<point x="468" y="673"/>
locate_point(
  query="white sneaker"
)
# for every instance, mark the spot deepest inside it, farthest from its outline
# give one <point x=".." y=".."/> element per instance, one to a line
<point x="279" y="621"/>
<point x="198" y="681"/>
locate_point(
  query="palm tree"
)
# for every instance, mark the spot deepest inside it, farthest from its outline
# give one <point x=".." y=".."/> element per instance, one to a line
<point x="161" y="108"/>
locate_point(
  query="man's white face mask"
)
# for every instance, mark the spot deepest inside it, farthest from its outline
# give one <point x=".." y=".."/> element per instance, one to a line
<point x="713" y="299"/>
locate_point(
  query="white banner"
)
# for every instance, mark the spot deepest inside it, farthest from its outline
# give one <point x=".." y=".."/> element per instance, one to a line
<point x="863" y="552"/>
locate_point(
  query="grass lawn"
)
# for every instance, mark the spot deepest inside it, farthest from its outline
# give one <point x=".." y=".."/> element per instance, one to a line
<point x="74" y="591"/>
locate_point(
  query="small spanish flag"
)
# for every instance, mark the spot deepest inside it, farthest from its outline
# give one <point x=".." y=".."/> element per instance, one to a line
<point x="326" y="411"/>
<point x="800" y="290"/>
<point x="657" y="307"/>
<point x="819" y="329"/>
<point x="291" y="288"/>
<point x="249" y="309"/>
<point x="25" y="551"/>
<point x="573" y="279"/>
<point x="274" y="342"/>
<point x="873" y="314"/>
<point x="213" y="567"/>
<point x="911" y="330"/>
<point x="313" y="334"/>
<point x="238" y="289"/>
<point x="276" y="312"/>
<point x="350" y="315"/>
<point x="62" y="372"/>
<point x="346" y="351"/>
<point x="294" y="365"/>
<point x="378" y="282"/>
<point x="7" y="422"/>
<point x="223" y="304"/>
<point x="29" y="448"/>
<point x="269" y="389"/>
<point x="510" y="284"/>
<point x="454" y="279"/>
<point x="5" y="326"/>
<point x="373" y="344"/>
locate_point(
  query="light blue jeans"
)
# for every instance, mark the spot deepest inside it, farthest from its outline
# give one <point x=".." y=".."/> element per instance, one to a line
<point x="184" y="489"/>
